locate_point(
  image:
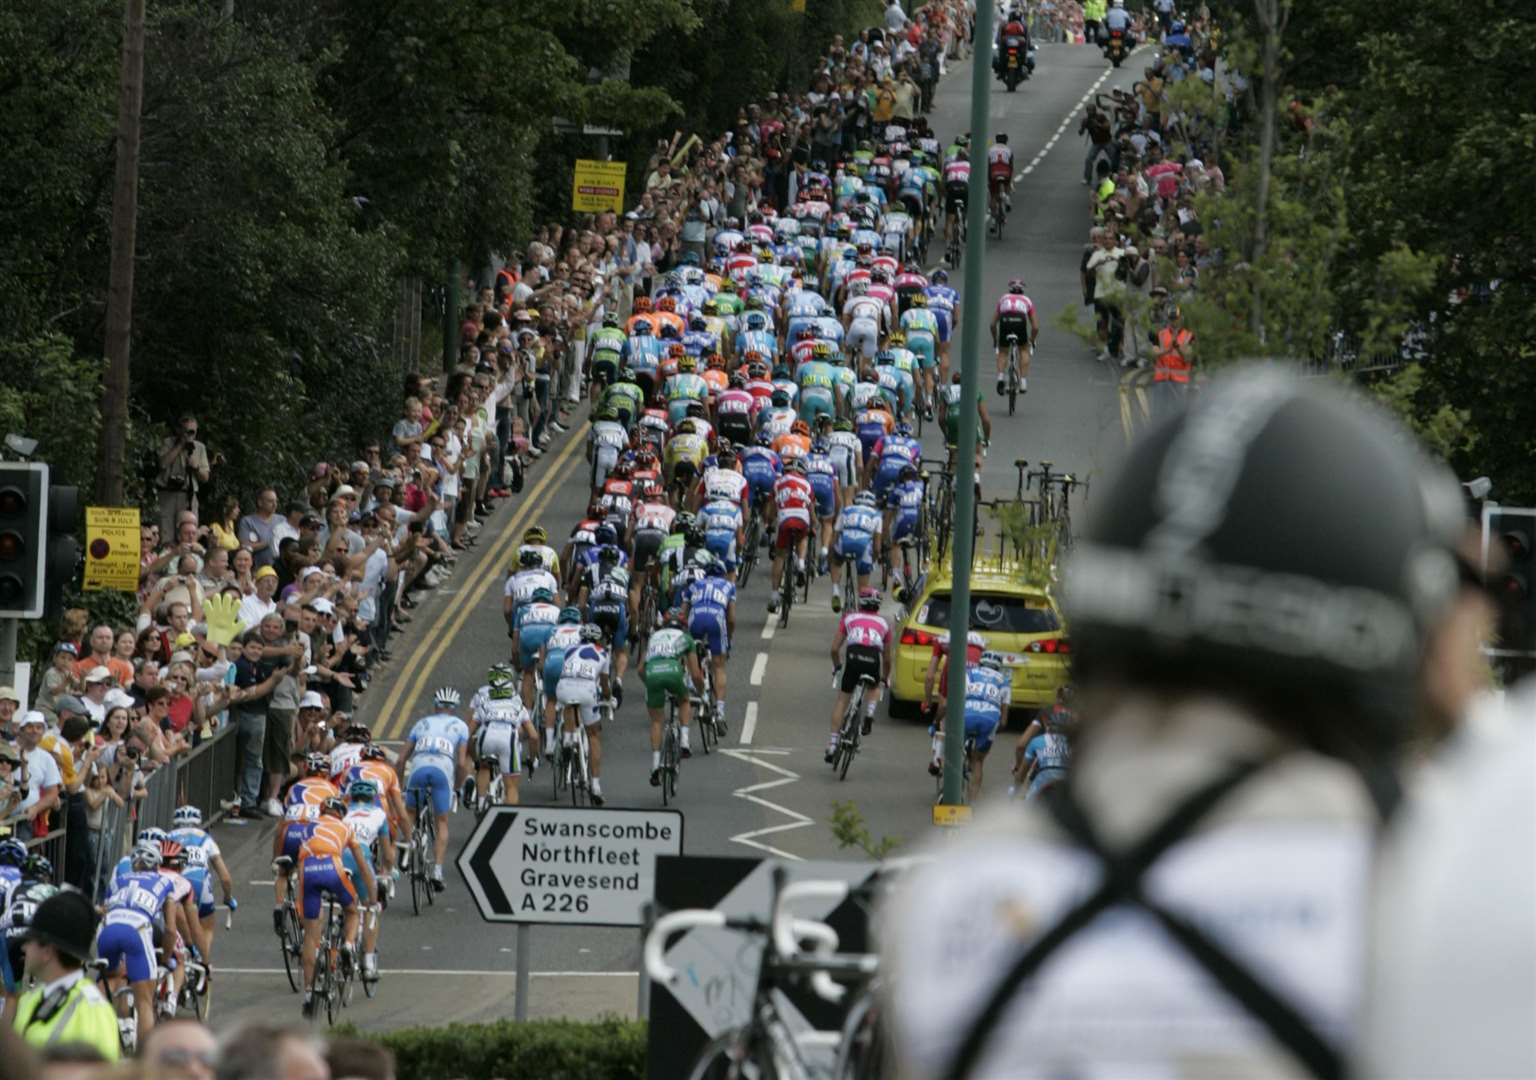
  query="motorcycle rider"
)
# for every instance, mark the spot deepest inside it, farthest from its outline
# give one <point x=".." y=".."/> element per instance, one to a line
<point x="1117" y="18"/>
<point x="1014" y="27"/>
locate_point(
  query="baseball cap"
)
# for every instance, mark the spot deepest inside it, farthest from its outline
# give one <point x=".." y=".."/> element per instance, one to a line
<point x="359" y="466"/>
<point x="70" y="703"/>
<point x="265" y="571"/>
<point x="343" y="492"/>
<point x="323" y="606"/>
<point x="182" y="658"/>
<point x="32" y="716"/>
<point x="117" y="699"/>
<point x="185" y="640"/>
<point x="65" y="647"/>
<point x="308" y="571"/>
<point x="312" y="700"/>
<point x="99" y="673"/>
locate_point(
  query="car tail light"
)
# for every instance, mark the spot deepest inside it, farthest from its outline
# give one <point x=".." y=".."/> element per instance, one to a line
<point x="909" y="636"/>
<point x="1051" y="646"/>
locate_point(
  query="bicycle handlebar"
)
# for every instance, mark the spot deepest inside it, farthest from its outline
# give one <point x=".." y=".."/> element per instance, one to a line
<point x="674" y="923"/>
<point x="783" y="941"/>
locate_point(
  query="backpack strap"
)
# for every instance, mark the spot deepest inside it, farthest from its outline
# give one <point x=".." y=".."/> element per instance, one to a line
<point x="1121" y="883"/>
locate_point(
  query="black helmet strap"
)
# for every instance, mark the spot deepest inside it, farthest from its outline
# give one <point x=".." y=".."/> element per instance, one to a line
<point x="1121" y="883"/>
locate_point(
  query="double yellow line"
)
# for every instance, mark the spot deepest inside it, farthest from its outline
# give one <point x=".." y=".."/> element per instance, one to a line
<point x="393" y="719"/>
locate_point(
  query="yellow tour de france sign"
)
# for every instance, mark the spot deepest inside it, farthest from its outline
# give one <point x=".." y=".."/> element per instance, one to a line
<point x="111" y="548"/>
<point x="597" y="186"/>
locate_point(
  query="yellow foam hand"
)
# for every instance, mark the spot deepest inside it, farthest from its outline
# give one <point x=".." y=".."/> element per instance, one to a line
<point x="221" y="613"/>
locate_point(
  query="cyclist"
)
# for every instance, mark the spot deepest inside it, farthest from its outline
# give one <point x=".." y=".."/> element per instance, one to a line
<point x="736" y="410"/>
<point x="762" y="468"/>
<point x="529" y="578"/>
<point x="536" y="539"/>
<point x="684" y="388"/>
<point x="988" y="693"/>
<point x="723" y="481"/>
<point x="139" y="908"/>
<point x="957" y="185"/>
<point x="949" y="419"/>
<point x="436" y="761"/>
<point x="532" y="625"/>
<point x="32" y="885"/>
<point x="794" y="443"/>
<point x="301" y="809"/>
<point x="864" y="320"/>
<point x="606" y="348"/>
<point x="1014" y="316"/>
<point x="818" y="381"/>
<point x="891" y="454"/>
<point x="822" y="472"/>
<point x="779" y="417"/>
<point x="583" y="684"/>
<point x="566" y="636"/>
<point x="937" y="678"/>
<point x="1044" y="750"/>
<point x="1000" y="175"/>
<point x="861" y="646"/>
<point x="608" y="608"/>
<point x="670" y="666"/>
<point x="920" y="330"/>
<point x="321" y="874"/>
<point x="845" y="452"/>
<point x="369" y="824"/>
<point x="944" y="302"/>
<point x="173" y="860"/>
<point x="608" y="439"/>
<point x="642" y="353"/>
<point x="724" y="532"/>
<point x="903" y="506"/>
<point x="348" y="750"/>
<point x="854" y="541"/>
<point x="624" y="398"/>
<point x="709" y="606"/>
<point x="684" y="456"/>
<point x="653" y="522"/>
<point x="501" y="721"/>
<point x="204" y="861"/>
<point x="795" y="508"/>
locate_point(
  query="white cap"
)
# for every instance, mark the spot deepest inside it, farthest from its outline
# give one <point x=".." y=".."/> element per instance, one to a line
<point x="323" y="606"/>
<point x="32" y="716"/>
<point x="312" y="700"/>
<point x="116" y="699"/>
<point x="99" y="673"/>
<point x="307" y="571"/>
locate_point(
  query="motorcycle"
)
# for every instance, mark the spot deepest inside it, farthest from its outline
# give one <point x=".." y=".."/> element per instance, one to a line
<point x="1013" y="64"/>
<point x="1114" y="48"/>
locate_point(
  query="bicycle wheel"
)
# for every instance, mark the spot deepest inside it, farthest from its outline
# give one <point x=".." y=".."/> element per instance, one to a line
<point x="1013" y="379"/>
<point x="557" y="763"/>
<point x="848" y="738"/>
<point x="428" y="852"/>
<point x="749" y="552"/>
<point x="728" y="1058"/>
<point x="708" y="737"/>
<point x="861" y="1050"/>
<point x="291" y="942"/>
<point x="127" y="1009"/>
<point x="371" y="986"/>
<point x="787" y="593"/>
<point x="668" y="749"/>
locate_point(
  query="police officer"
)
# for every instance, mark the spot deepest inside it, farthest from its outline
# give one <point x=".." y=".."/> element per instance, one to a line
<point x="64" y="1006"/>
<point x="1191" y="898"/>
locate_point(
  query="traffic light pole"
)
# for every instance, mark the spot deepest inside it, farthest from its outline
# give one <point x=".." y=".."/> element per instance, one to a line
<point x="8" y="652"/>
<point x="964" y="542"/>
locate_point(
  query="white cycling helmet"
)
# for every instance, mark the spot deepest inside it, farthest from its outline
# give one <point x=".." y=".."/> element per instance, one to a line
<point x="447" y="698"/>
<point x="187" y="817"/>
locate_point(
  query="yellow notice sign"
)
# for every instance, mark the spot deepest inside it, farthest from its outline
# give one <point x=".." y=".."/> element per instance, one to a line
<point x="112" y="548"/>
<point x="950" y="816"/>
<point x="597" y="186"/>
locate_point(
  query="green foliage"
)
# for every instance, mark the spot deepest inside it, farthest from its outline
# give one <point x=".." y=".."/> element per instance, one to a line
<point x="608" y="1049"/>
<point x="1029" y="548"/>
<point x="36" y="637"/>
<point x="1446" y="431"/>
<point x="50" y="393"/>
<point x="851" y="831"/>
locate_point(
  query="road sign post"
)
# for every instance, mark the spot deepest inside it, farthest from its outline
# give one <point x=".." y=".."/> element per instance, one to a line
<point x="566" y="866"/>
<point x="970" y="385"/>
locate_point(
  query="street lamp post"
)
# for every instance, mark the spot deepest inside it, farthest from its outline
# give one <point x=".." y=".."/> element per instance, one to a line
<point x="965" y="452"/>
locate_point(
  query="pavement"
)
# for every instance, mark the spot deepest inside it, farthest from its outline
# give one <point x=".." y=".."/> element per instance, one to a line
<point x="767" y="791"/>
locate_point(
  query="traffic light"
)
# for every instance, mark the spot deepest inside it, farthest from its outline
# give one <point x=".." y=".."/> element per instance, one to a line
<point x="1509" y="556"/>
<point x="23" y="539"/>
<point x="63" y="557"/>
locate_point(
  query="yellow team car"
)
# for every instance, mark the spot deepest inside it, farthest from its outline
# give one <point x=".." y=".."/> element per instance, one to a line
<point x="1018" y="620"/>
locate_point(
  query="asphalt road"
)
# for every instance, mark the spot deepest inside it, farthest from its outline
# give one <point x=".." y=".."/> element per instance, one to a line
<point x="768" y="792"/>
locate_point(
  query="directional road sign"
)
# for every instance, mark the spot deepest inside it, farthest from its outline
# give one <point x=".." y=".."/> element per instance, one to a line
<point x="554" y="864"/>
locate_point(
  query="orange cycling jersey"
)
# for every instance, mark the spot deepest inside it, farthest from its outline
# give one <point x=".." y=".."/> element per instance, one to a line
<point x="330" y="838"/>
<point x="789" y="445"/>
<point x="717" y="380"/>
<point x="876" y="416"/>
<point x="305" y="797"/>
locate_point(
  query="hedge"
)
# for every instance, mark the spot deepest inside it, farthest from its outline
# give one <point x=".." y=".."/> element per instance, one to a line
<point x="608" y="1049"/>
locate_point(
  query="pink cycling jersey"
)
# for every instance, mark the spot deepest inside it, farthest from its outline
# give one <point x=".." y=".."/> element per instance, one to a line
<point x="865" y="629"/>
<point x="1013" y="304"/>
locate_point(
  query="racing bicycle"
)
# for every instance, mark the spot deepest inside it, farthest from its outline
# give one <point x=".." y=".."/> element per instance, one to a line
<point x="851" y="733"/>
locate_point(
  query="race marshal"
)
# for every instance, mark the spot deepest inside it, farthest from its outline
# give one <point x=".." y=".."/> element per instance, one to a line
<point x="597" y="186"/>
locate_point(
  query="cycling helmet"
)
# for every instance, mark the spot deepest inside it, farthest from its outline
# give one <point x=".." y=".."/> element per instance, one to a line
<point x="535" y="534"/>
<point x="151" y="835"/>
<point x="541" y="595"/>
<point x="605" y="534"/>
<point x="780" y="399"/>
<point x="609" y="413"/>
<point x="622" y="470"/>
<point x="908" y="472"/>
<point x="990" y="659"/>
<point x="334" y="805"/>
<point x="687" y="363"/>
<point x="842" y="423"/>
<point x="800" y="427"/>
<point x="869" y="598"/>
<point x="821" y="350"/>
<point x="529" y="559"/>
<point x="687" y="428"/>
<point x="696" y="322"/>
<point x="1016" y="286"/>
<point x="608" y="555"/>
<point x="794" y="465"/>
<point x="819" y="445"/>
<point x="316" y="765"/>
<point x="939" y="276"/>
<point x="187" y="817"/>
<point x="696" y="410"/>
<point x="1178" y="574"/>
<point x="12" y="852"/>
<point x="714" y="362"/>
<point x="375" y="752"/>
<point x="896" y="338"/>
<point x="172" y="854"/>
<point x="738" y="381"/>
<point x="446" y="698"/>
<point x="642" y="305"/>
<point x="570" y="615"/>
<point x="641" y="329"/>
<point x="764" y="438"/>
<point x="727" y="454"/>
<point x="591" y="635"/>
<point x="497" y="678"/>
<point x="684" y="522"/>
<point x="674" y="617"/>
<point x="727" y="285"/>
<point x="37" y="868"/>
<point x="356" y="733"/>
<point x="611" y="319"/>
<point x="363" y="789"/>
<point x="1002" y="138"/>
<point x="669" y="332"/>
<point x="866" y="498"/>
<point x="144" y="856"/>
<point x="904" y="429"/>
<point x="918" y="300"/>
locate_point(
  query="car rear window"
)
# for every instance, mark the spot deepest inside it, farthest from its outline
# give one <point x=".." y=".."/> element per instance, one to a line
<point x="996" y="613"/>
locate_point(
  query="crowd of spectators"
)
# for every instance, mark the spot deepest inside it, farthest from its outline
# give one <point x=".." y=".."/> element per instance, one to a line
<point x="1147" y="161"/>
<point x="272" y="616"/>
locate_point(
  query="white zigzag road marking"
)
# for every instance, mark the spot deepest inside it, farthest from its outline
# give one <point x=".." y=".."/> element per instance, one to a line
<point x="786" y="776"/>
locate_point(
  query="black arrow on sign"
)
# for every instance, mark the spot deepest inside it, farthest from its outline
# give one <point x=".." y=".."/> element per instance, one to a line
<point x="480" y="862"/>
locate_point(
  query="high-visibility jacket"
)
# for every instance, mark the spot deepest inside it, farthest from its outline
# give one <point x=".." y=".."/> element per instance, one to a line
<point x="1171" y="364"/>
<point x="76" y="1014"/>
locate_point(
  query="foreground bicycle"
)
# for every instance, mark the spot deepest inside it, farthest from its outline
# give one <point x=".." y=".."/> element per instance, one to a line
<point x="850" y="734"/>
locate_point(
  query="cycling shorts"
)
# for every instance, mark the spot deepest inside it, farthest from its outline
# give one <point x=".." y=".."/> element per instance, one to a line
<point x="955" y="196"/>
<point x="816" y="401"/>
<point x="499" y="740"/>
<point x="791" y="529"/>
<point x="554" y="663"/>
<point x="429" y="781"/>
<point x="583" y="695"/>
<point x="708" y="625"/>
<point x="823" y="487"/>
<point x="982" y="727"/>
<point x="736" y="428"/>
<point x="530" y="639"/>
<point x="665" y="676"/>
<point x="760" y="483"/>
<point x="294" y="835"/>
<point x="128" y="945"/>
<point x="605" y="367"/>
<point x="614" y="619"/>
<point x="922" y="343"/>
<point x="905" y="525"/>
<point x="723" y="546"/>
<point x="321" y="874"/>
<point x="886" y="475"/>
<point x="1017" y="325"/>
<point x="1043" y="779"/>
<point x="860" y="552"/>
<point x="863" y="337"/>
<point x="944" y="321"/>
<point x="860" y="660"/>
<point x="647" y="544"/>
